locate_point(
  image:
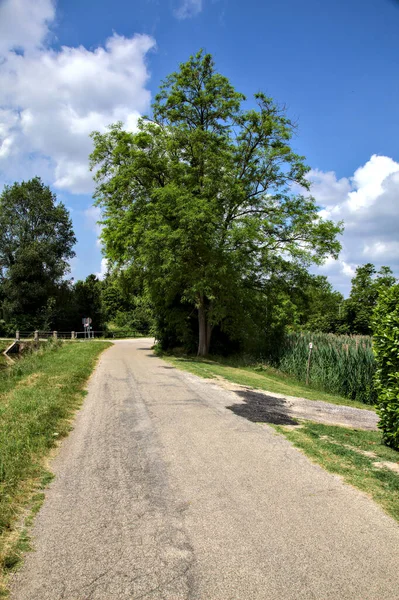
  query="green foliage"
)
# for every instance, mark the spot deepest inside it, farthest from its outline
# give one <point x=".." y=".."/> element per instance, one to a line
<point x="386" y="348"/>
<point x="36" y="241"/>
<point x="366" y="287"/>
<point x="200" y="200"/>
<point x="126" y="306"/>
<point x="319" y="305"/>
<point x="341" y="365"/>
<point x="87" y="296"/>
<point x="4" y="329"/>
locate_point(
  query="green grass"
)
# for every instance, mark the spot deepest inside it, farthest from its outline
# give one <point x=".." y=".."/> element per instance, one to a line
<point x="27" y="347"/>
<point x="38" y="396"/>
<point x="3" y="346"/>
<point x="341" y="451"/>
<point x="267" y="378"/>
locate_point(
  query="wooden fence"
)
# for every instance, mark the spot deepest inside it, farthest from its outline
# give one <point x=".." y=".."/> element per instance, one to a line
<point x="81" y="335"/>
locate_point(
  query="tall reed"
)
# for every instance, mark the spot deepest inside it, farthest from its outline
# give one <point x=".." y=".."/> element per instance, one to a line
<point x="340" y="364"/>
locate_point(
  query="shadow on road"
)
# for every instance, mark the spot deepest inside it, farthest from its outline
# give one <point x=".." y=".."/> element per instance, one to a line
<point x="260" y="408"/>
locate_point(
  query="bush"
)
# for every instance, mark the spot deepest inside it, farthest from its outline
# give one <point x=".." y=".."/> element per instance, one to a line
<point x="3" y="328"/>
<point x="386" y="349"/>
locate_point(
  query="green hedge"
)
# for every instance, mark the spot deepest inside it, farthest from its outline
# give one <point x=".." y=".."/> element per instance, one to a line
<point x="386" y="349"/>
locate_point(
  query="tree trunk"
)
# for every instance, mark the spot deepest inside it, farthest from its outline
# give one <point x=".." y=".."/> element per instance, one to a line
<point x="204" y="330"/>
<point x="208" y="336"/>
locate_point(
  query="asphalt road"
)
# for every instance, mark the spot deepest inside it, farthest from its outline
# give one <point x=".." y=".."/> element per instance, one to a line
<point x="164" y="494"/>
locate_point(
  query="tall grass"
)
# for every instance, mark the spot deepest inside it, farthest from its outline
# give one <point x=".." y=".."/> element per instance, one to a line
<point x="340" y="364"/>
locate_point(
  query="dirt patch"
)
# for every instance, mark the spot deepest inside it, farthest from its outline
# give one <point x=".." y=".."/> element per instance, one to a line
<point x="30" y="380"/>
<point x="271" y="407"/>
<point x="392" y="466"/>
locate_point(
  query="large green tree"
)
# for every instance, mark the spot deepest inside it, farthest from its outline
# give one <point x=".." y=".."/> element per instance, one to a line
<point x="36" y="243"/>
<point x="203" y="197"/>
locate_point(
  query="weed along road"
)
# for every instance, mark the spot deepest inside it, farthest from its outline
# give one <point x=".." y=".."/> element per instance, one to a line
<point x="162" y="492"/>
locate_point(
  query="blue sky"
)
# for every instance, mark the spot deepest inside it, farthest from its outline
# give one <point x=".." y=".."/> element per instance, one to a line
<point x="334" y="65"/>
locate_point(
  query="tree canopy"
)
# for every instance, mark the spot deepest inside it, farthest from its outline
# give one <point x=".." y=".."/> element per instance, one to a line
<point x="36" y="243"/>
<point x="208" y="201"/>
<point x="367" y="284"/>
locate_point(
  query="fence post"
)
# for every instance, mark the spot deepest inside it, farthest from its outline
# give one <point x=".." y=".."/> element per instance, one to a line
<point x="36" y="336"/>
<point x="17" y="335"/>
<point x="54" y="335"/>
<point x="309" y="358"/>
<point x="72" y="335"/>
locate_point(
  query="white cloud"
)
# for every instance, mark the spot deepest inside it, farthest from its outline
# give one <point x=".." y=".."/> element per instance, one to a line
<point x="103" y="269"/>
<point x="327" y="189"/>
<point x="368" y="203"/>
<point x="23" y="24"/>
<point x="368" y="181"/>
<point x="52" y="100"/>
<point x="347" y="270"/>
<point x="188" y="9"/>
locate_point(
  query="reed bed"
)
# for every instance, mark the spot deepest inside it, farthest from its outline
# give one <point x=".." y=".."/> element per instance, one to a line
<point x="340" y="364"/>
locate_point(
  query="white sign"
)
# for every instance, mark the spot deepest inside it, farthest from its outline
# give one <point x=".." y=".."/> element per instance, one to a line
<point x="310" y="345"/>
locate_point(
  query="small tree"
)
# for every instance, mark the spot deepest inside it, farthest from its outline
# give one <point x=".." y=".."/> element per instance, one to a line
<point x="201" y="198"/>
<point x="386" y="348"/>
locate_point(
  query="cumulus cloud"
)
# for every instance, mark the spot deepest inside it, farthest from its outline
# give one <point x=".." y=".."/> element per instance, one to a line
<point x="103" y="269"/>
<point x="327" y="189"/>
<point x="24" y="25"/>
<point x="368" y="203"/>
<point x="51" y="100"/>
<point x="188" y="9"/>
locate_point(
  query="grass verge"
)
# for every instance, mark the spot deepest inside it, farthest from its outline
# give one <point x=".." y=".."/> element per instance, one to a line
<point x="267" y="378"/>
<point x="37" y="398"/>
<point x="3" y="346"/>
<point x="357" y="456"/>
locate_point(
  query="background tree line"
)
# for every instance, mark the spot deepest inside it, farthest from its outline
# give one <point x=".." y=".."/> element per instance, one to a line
<point x="36" y="245"/>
